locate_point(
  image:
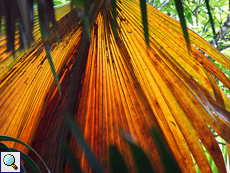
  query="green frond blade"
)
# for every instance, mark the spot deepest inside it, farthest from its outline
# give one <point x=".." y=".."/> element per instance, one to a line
<point x="180" y="10"/>
<point x="53" y="71"/>
<point x="71" y="158"/>
<point x="23" y="170"/>
<point x="89" y="155"/>
<point x="116" y="161"/>
<point x="114" y="17"/>
<point x="210" y="17"/>
<point x="8" y="138"/>
<point x="141" y="159"/>
<point x="87" y="27"/>
<point x="29" y="162"/>
<point x="145" y="20"/>
<point x="168" y="159"/>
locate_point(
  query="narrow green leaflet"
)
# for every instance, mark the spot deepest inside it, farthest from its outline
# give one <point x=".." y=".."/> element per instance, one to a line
<point x="114" y="15"/>
<point x="23" y="170"/>
<point x="53" y="71"/>
<point x="180" y="11"/>
<point x="8" y="138"/>
<point x="72" y="160"/>
<point x="86" y="21"/>
<point x="29" y="162"/>
<point x="89" y="155"/>
<point x="3" y="147"/>
<point x="210" y="16"/>
<point x="25" y="15"/>
<point x="81" y="6"/>
<point x="45" y="31"/>
<point x="87" y="27"/>
<point x="167" y="157"/>
<point x="46" y="34"/>
<point x="78" y="3"/>
<point x="142" y="161"/>
<point x="51" y="16"/>
<point x="145" y="20"/>
<point x="116" y="161"/>
<point x="10" y="17"/>
<point x="1" y="14"/>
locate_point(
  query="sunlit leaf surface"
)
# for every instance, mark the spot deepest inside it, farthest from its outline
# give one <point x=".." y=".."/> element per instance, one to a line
<point x="125" y="88"/>
<point x="25" y="88"/>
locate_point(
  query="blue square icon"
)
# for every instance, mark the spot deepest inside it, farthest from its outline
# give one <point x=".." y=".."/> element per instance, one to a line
<point x="10" y="161"/>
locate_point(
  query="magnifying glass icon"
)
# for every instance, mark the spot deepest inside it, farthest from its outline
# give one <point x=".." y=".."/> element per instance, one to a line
<point x="9" y="160"/>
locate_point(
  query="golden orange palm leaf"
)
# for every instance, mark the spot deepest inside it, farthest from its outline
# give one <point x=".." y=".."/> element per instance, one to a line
<point x="125" y="87"/>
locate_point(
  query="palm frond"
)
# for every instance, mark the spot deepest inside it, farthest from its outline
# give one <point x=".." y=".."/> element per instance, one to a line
<point x="21" y="101"/>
